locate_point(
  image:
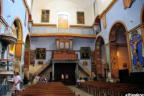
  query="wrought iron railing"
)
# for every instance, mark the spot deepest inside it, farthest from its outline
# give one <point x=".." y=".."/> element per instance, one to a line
<point x="5" y="29"/>
<point x="6" y="65"/>
<point x="4" y="88"/>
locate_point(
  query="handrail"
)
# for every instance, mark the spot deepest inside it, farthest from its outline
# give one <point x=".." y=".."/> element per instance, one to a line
<point x="2" y="20"/>
<point x="4" y="88"/>
<point x="136" y="28"/>
<point x="5" y="29"/>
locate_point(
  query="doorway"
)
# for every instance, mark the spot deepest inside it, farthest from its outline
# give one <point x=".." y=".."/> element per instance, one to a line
<point x="118" y="50"/>
<point x="100" y="58"/>
<point x="65" y="72"/>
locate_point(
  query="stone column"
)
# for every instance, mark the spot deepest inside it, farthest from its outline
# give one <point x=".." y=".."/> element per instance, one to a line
<point x="107" y="47"/>
<point x="53" y="71"/>
<point x="76" y="72"/>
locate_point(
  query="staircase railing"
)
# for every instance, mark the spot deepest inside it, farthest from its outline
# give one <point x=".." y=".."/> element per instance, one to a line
<point x="87" y="71"/>
<point x="4" y="88"/>
<point x="5" y="29"/>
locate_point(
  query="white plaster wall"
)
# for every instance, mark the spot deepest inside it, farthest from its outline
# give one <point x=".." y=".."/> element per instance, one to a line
<point x="101" y="5"/>
<point x="29" y="2"/>
<point x="70" y="7"/>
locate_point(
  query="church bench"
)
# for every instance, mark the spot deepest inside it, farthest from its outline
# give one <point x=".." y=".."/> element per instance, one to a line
<point x="116" y="89"/>
<point x="47" y="89"/>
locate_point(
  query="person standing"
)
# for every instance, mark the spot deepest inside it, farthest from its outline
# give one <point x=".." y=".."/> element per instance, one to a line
<point x="17" y="80"/>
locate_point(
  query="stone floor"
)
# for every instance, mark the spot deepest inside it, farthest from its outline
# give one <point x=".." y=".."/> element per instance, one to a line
<point x="79" y="92"/>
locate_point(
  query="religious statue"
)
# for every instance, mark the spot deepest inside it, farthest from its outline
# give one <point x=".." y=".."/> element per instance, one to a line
<point x="136" y="46"/>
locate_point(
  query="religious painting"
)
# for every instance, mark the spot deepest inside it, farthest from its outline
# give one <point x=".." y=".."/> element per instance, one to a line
<point x="85" y="52"/>
<point x="41" y="53"/>
<point x="80" y="18"/>
<point x="45" y="16"/>
<point x="142" y="18"/>
<point x="127" y="3"/>
<point x="136" y="48"/>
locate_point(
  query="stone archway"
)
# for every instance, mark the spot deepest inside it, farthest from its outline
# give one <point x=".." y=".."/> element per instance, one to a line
<point x="119" y="58"/>
<point x="27" y="59"/>
<point x="100" y="63"/>
<point x="16" y="48"/>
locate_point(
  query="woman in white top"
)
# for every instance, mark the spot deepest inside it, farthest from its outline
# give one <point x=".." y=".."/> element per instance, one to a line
<point x="17" y="80"/>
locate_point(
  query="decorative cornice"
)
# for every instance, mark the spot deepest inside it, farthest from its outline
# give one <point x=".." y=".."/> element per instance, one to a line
<point x="80" y="26"/>
<point x="105" y="11"/>
<point x="28" y="9"/>
<point x="44" y="25"/>
<point x="54" y="25"/>
<point x="62" y="35"/>
<point x="136" y="27"/>
<point x="108" y="8"/>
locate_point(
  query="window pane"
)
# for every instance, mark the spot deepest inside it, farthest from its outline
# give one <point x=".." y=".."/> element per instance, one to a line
<point x="62" y="45"/>
<point x="67" y="45"/>
<point x="70" y="44"/>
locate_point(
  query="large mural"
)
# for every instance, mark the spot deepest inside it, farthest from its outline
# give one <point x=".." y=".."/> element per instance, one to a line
<point x="137" y="49"/>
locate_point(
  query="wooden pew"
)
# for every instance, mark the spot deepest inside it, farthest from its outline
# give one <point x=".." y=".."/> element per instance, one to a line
<point x="113" y="89"/>
<point x="47" y="89"/>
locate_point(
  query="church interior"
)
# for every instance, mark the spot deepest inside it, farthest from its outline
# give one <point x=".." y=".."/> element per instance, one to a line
<point x="72" y="47"/>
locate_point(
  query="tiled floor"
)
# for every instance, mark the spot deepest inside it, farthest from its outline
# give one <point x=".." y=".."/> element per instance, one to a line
<point x="79" y="91"/>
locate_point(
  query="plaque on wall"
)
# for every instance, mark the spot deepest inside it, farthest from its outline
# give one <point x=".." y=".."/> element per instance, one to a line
<point x="41" y="53"/>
